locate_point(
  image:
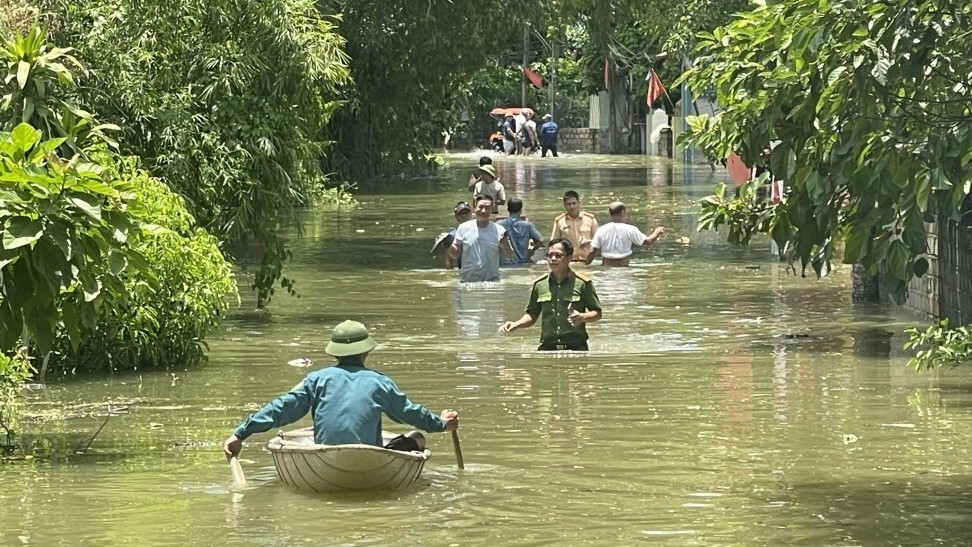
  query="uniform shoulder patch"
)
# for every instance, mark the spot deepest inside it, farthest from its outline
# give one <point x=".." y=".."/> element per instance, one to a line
<point x="541" y="278"/>
<point x="583" y="276"/>
<point x="560" y="217"/>
<point x="585" y="213"/>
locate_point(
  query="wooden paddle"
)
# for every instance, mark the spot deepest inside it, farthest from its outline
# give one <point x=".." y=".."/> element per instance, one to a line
<point x="457" y="448"/>
<point x="237" y="469"/>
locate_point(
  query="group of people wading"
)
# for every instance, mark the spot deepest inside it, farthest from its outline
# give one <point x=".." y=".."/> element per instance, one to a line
<point x="562" y="299"/>
<point x="348" y="399"/>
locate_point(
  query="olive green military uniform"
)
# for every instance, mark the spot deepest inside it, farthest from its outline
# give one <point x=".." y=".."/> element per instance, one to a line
<point x="580" y="232"/>
<point x="552" y="301"/>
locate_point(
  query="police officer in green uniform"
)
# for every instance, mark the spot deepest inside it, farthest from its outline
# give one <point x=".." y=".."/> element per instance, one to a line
<point x="565" y="300"/>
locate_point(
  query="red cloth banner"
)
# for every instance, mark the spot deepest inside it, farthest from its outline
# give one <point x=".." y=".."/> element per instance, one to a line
<point x="535" y="79"/>
<point x="655" y="88"/>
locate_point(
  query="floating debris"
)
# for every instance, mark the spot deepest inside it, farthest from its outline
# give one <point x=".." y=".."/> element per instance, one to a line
<point x="300" y="362"/>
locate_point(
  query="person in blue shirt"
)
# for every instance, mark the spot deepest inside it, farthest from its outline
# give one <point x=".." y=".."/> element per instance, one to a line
<point x="346" y="401"/>
<point x="520" y="232"/>
<point x="548" y="136"/>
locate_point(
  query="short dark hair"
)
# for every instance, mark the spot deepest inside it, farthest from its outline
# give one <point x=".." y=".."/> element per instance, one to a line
<point x="480" y="197"/>
<point x="514" y="206"/>
<point x="485" y="160"/>
<point x="564" y="243"/>
<point x="571" y="194"/>
<point x="616" y="210"/>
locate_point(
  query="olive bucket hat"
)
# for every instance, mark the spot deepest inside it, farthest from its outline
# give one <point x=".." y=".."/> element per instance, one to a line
<point x="488" y="169"/>
<point x="350" y="338"/>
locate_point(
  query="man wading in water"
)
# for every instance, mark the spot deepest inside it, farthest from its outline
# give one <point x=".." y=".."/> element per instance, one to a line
<point x="615" y="239"/>
<point x="566" y="299"/>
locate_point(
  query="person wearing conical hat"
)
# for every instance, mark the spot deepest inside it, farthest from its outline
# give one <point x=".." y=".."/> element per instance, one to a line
<point x="346" y="400"/>
<point x="488" y="185"/>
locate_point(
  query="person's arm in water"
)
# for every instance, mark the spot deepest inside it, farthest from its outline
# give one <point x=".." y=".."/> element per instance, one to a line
<point x="590" y="255"/>
<point x="595" y="243"/>
<point x="655" y="234"/>
<point x="536" y="239"/>
<point x="455" y="250"/>
<point x="526" y="321"/>
<point x="286" y="409"/>
<point x="530" y="315"/>
<point x="505" y="247"/>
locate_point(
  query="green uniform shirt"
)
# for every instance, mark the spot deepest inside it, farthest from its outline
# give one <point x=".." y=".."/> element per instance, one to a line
<point x="551" y="301"/>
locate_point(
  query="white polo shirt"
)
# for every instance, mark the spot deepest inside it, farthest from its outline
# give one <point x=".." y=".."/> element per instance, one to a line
<point x="615" y="239"/>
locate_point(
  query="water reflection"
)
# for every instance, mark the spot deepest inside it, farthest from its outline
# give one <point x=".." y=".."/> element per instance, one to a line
<point x="476" y="311"/>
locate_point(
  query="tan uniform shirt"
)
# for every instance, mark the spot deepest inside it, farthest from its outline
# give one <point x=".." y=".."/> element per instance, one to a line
<point x="579" y="231"/>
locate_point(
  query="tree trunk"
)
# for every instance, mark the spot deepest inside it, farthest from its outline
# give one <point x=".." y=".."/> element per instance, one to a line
<point x="865" y="289"/>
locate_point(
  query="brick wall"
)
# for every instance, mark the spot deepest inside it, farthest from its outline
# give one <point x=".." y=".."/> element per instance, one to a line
<point x="578" y="139"/>
<point x="945" y="291"/>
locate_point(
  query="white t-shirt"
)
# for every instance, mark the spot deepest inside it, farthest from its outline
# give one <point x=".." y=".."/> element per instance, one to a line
<point x="494" y="190"/>
<point x="531" y="128"/>
<point x="480" y="251"/>
<point x="519" y="119"/>
<point x="615" y="239"/>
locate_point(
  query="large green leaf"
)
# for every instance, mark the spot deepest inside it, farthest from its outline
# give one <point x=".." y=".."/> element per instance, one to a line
<point x="20" y="231"/>
<point x="23" y="71"/>
<point x="86" y="205"/>
<point x="24" y="137"/>
<point x="91" y="286"/>
<point x="117" y="262"/>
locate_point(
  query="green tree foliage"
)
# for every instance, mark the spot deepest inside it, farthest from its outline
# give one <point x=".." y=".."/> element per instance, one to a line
<point x="632" y="35"/>
<point x="64" y="246"/>
<point x="98" y="261"/>
<point x="869" y="103"/>
<point x="165" y="322"/>
<point x="407" y="58"/>
<point x="940" y="346"/>
<point x="37" y="76"/>
<point x="225" y="101"/>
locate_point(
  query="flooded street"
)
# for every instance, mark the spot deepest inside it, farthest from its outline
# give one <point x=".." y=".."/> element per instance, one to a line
<point x="725" y="400"/>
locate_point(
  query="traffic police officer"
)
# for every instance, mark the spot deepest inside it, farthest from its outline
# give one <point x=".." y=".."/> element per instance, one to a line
<point x="576" y="225"/>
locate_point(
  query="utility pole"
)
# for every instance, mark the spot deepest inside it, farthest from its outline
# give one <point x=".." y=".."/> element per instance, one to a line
<point x="526" y="63"/>
<point x="553" y="80"/>
<point x="686" y="108"/>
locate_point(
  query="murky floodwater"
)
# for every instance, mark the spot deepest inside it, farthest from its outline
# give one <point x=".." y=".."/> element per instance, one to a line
<point x="725" y="401"/>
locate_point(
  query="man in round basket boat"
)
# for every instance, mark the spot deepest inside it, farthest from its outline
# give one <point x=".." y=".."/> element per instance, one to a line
<point x="346" y="401"/>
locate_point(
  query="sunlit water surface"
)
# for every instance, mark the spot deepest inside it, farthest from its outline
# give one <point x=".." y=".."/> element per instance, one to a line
<point x="725" y="400"/>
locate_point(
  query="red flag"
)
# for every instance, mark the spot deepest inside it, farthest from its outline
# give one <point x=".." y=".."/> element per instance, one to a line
<point x="607" y="73"/>
<point x="655" y="88"/>
<point x="534" y="78"/>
